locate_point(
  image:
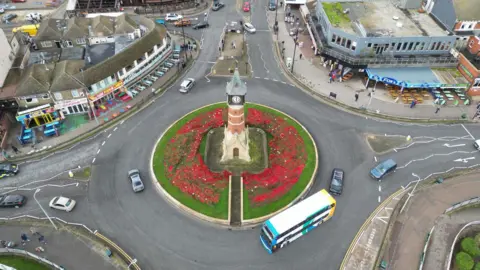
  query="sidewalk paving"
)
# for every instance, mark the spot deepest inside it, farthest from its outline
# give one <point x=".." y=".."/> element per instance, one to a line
<point x="310" y="71"/>
<point x="51" y="142"/>
<point x="62" y="247"/>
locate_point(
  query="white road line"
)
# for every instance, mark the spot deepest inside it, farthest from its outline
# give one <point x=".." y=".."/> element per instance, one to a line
<point x="433" y="139"/>
<point x="257" y="77"/>
<point x="93" y="161"/>
<point x="379" y="198"/>
<point x="98" y="151"/>
<point x="395" y="149"/>
<point x="266" y="79"/>
<point x="433" y="155"/>
<point x="115" y="129"/>
<point x="275" y="80"/>
<point x="292" y="85"/>
<point x="375" y="158"/>
<point x="103" y="143"/>
<point x="284" y="82"/>
<point x="109" y="135"/>
<point x="208" y="80"/>
<point x="121" y="122"/>
<point x="468" y="132"/>
<point x="379" y="188"/>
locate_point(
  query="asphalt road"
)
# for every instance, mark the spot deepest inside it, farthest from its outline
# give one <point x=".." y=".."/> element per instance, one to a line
<point x="162" y="237"/>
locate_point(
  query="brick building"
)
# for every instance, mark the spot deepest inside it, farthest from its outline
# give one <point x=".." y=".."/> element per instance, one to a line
<point x="469" y="66"/>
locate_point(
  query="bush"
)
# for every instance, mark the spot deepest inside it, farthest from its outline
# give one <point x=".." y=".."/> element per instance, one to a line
<point x="470" y="246"/>
<point x="464" y="261"/>
<point x="477" y="239"/>
<point x="477" y="266"/>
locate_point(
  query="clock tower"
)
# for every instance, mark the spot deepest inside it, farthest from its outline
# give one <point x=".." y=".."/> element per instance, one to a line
<point x="235" y="143"/>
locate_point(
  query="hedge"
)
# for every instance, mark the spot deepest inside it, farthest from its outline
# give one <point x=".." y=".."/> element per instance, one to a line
<point x="463" y="261"/>
<point x="470" y="246"/>
<point x="477" y="266"/>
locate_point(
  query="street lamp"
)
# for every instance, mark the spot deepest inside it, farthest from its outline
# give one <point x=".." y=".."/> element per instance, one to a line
<point x="295" y="38"/>
<point x="45" y="212"/>
<point x="275" y="26"/>
<point x="92" y="108"/>
<point x="411" y="193"/>
<point x="184" y="43"/>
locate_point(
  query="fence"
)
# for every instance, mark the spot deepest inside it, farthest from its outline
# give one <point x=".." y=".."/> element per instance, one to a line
<point x="424" y="252"/>
<point x="132" y="263"/>
<point x="29" y="254"/>
<point x="452" y="248"/>
<point x="467" y="203"/>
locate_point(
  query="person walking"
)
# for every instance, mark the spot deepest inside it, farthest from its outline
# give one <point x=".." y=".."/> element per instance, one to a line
<point x="437" y="110"/>
<point x="412" y="104"/>
<point x="15" y="149"/>
<point x="24" y="238"/>
<point x="356" y="97"/>
<point x="300" y="56"/>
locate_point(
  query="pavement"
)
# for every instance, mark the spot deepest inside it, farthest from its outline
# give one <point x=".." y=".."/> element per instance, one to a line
<point x="405" y="243"/>
<point x="311" y="72"/>
<point x="60" y="245"/>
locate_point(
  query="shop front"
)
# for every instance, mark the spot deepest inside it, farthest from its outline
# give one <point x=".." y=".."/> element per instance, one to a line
<point x="74" y="106"/>
<point x="43" y="118"/>
<point x="109" y="98"/>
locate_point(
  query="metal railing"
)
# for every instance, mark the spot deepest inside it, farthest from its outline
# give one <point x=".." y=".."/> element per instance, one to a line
<point x="470" y="202"/>
<point x="22" y="252"/>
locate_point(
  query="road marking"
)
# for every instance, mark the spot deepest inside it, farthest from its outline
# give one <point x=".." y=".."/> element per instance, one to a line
<point x="379" y="198"/>
<point x="284" y="82"/>
<point x="395" y="149"/>
<point x="257" y="77"/>
<point x="115" y="129"/>
<point x="208" y="80"/>
<point x="433" y="155"/>
<point x="456" y="145"/>
<point x="109" y="135"/>
<point x="379" y="188"/>
<point x="93" y="161"/>
<point x="375" y="158"/>
<point x="98" y="151"/>
<point x="266" y="79"/>
<point x="121" y="122"/>
<point x="464" y="160"/>
<point x="292" y="85"/>
<point x="275" y="80"/>
<point x="103" y="143"/>
<point x="468" y="132"/>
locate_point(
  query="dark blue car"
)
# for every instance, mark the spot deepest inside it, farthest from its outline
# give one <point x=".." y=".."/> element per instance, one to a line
<point x="383" y="169"/>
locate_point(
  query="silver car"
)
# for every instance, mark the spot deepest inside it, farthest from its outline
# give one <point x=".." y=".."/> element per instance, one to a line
<point x="168" y="64"/>
<point x="159" y="73"/>
<point x="147" y="82"/>
<point x="137" y="184"/>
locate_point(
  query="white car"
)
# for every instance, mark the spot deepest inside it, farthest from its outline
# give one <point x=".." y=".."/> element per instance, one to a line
<point x="33" y="17"/>
<point x="62" y="203"/>
<point x="249" y="28"/>
<point x="187" y="85"/>
<point x="171" y="17"/>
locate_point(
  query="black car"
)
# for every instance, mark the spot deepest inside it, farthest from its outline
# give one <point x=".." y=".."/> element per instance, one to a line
<point x="336" y="183"/>
<point x="12" y="200"/>
<point x="8" y="169"/>
<point x="201" y="25"/>
<point x="217" y="6"/>
<point x="8" y="17"/>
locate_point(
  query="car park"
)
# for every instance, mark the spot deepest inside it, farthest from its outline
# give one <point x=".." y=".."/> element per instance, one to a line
<point x="383" y="168"/>
<point x="171" y="17"/>
<point x="249" y="28"/>
<point x="168" y="64"/>
<point x="187" y="85"/>
<point x="62" y="203"/>
<point x="7" y="18"/>
<point x="159" y="73"/>
<point x="147" y="82"/>
<point x="337" y="181"/>
<point x="217" y="6"/>
<point x="136" y="180"/>
<point x="246" y="7"/>
<point x="8" y="169"/>
<point x="12" y="200"/>
<point x="152" y="77"/>
<point x="201" y="25"/>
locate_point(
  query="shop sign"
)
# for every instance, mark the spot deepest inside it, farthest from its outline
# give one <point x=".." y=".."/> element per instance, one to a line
<point x="389" y="80"/>
<point x="107" y="91"/>
<point x="466" y="71"/>
<point x="35" y="112"/>
<point x="68" y="103"/>
<point x="460" y="85"/>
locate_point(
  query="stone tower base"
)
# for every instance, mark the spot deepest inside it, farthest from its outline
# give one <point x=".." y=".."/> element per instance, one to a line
<point x="235" y="146"/>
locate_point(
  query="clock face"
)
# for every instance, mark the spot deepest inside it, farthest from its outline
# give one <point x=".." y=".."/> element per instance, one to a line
<point x="236" y="99"/>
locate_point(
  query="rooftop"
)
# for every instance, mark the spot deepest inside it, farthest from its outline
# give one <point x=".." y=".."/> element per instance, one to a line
<point x="467" y="10"/>
<point x="474" y="59"/>
<point x="380" y="18"/>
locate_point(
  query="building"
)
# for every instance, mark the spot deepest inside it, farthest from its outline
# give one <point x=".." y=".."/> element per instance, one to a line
<point x="81" y="7"/>
<point x="82" y="65"/>
<point x="7" y="56"/>
<point x="469" y="66"/>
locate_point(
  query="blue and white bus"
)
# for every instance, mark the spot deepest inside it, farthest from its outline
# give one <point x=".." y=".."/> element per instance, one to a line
<point x="285" y="227"/>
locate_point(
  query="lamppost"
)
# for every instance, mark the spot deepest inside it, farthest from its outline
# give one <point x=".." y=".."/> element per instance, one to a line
<point x="86" y="95"/>
<point x="41" y="207"/>
<point x="184" y="42"/>
<point x="295" y="48"/>
<point x="275" y="26"/>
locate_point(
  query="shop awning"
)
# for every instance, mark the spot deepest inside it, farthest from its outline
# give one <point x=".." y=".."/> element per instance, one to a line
<point x="421" y="77"/>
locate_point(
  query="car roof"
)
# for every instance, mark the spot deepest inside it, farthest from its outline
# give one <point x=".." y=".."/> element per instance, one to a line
<point x="62" y="200"/>
<point x="133" y="171"/>
<point x="13" y="198"/>
<point x="186" y="82"/>
<point x="248" y="24"/>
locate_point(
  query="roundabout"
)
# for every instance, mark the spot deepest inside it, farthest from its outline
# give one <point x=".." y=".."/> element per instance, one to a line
<point x="234" y="163"/>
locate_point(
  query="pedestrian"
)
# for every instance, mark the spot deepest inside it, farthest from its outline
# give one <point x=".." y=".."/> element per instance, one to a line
<point x="412" y="104"/>
<point x="330" y="79"/>
<point x="281" y="3"/>
<point x="437" y="110"/>
<point x="356" y="97"/>
<point x="15" y="149"/>
<point x="300" y="56"/>
<point x="42" y="240"/>
<point x="334" y="76"/>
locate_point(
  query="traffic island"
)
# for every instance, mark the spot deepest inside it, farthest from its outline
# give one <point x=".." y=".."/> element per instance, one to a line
<point x="382" y="144"/>
<point x="233" y="53"/>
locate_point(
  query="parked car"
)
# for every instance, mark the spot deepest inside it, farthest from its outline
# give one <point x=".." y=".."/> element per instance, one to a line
<point x="62" y="203"/>
<point x="169" y="65"/>
<point x="2" y="10"/>
<point x="187" y="85"/>
<point x="9" y="17"/>
<point x="171" y="17"/>
<point x="249" y="28"/>
<point x="8" y="169"/>
<point x="12" y="200"/>
<point x="140" y="87"/>
<point x="201" y="25"/>
<point x="147" y="82"/>
<point x="33" y="17"/>
<point x="217" y="6"/>
<point x="246" y="6"/>
<point x="164" y="69"/>
<point x="183" y="22"/>
<point x="383" y="169"/>
<point x="152" y="77"/>
<point x="136" y="180"/>
<point x="159" y="73"/>
<point x="336" y="181"/>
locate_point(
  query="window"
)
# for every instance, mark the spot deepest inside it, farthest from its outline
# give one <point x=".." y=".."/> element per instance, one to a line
<point x="399" y="46"/>
<point x="369" y="45"/>
<point x="438" y="46"/>
<point x="393" y="46"/>
<point x="46" y="44"/>
<point x="344" y="40"/>
<point x="417" y="46"/>
<point x="75" y="93"/>
<point x="422" y="46"/>
<point x="470" y="44"/>
<point x="476" y="83"/>
<point x="433" y="46"/>
<point x="69" y="43"/>
<point x="354" y="45"/>
<point x="349" y="43"/>
<point x="45" y="96"/>
<point x="404" y="47"/>
<point x="150" y="52"/>
<point x="102" y="84"/>
<point x="141" y="59"/>
<point x="410" y="46"/>
<point x="80" y="41"/>
<point x="58" y="96"/>
<point x="334" y="37"/>
<point x="31" y="100"/>
<point x="128" y="68"/>
<point x="338" y="40"/>
<point x="463" y="26"/>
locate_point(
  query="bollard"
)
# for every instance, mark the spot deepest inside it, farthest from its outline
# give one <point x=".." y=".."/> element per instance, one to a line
<point x="70" y="173"/>
<point x="409" y="138"/>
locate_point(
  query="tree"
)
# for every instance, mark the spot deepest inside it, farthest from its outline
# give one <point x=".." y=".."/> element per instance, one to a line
<point x="470" y="246"/>
<point x="477" y="239"/>
<point x="477" y="266"/>
<point x="464" y="261"/>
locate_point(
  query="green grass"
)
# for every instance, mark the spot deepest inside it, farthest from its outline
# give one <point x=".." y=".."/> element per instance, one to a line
<point x="21" y="263"/>
<point x="254" y="212"/>
<point x="83" y="173"/>
<point x="219" y="210"/>
<point x="335" y="13"/>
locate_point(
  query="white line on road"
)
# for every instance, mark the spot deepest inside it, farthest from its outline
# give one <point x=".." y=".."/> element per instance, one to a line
<point x="275" y="80"/>
<point x="292" y="85"/>
<point x="284" y="82"/>
<point x="379" y="188"/>
<point x="115" y="129"/>
<point x="456" y="145"/>
<point x="447" y="154"/>
<point x="109" y="135"/>
<point x="395" y="149"/>
<point x="257" y="77"/>
<point x="98" y="151"/>
<point x="468" y="132"/>
<point x="432" y="139"/>
<point x="375" y="158"/>
<point x="379" y="198"/>
<point x="121" y="122"/>
<point x="103" y="143"/>
<point x="266" y="79"/>
<point x="93" y="161"/>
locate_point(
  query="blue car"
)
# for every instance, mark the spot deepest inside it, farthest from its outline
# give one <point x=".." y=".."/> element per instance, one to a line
<point x="383" y="169"/>
<point x="160" y="21"/>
